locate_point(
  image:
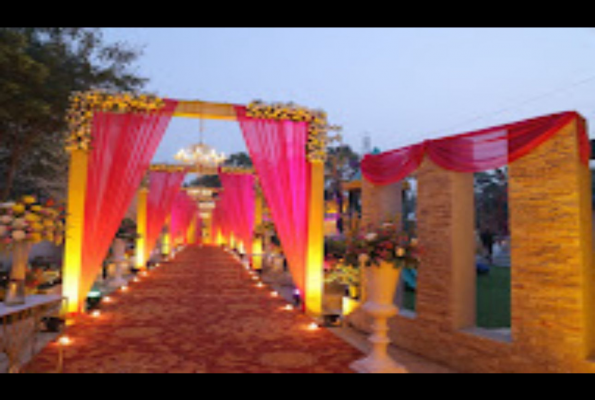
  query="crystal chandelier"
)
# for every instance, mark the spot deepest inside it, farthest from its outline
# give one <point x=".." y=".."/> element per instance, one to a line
<point x="203" y="156"/>
<point x="201" y="193"/>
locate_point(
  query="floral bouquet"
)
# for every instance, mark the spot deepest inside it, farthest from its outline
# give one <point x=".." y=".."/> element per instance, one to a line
<point x="343" y="274"/>
<point x="336" y="270"/>
<point x="263" y="228"/>
<point x="334" y="250"/>
<point x="127" y="230"/>
<point x="384" y="244"/>
<point x="30" y="222"/>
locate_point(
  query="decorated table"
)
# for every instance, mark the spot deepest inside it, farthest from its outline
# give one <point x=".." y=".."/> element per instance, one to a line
<point x="20" y="325"/>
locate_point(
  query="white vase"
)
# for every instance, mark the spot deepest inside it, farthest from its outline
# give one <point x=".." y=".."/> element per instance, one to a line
<point x="119" y="252"/>
<point x="381" y="283"/>
<point x="15" y="293"/>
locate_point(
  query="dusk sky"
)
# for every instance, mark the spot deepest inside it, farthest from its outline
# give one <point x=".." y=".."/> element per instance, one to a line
<point x="399" y="85"/>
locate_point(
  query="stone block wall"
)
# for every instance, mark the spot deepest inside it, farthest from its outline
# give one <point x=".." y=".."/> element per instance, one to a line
<point x="381" y="203"/>
<point x="552" y="268"/>
<point x="551" y="239"/>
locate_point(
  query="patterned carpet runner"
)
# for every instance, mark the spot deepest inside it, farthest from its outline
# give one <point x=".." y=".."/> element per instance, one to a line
<point x="201" y="313"/>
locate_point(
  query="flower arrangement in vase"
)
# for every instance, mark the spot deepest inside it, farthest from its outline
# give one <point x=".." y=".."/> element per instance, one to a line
<point x="27" y="221"/>
<point x="384" y="251"/>
<point x="23" y="224"/>
<point x="336" y="270"/>
<point x="385" y="244"/>
<point x="127" y="230"/>
<point x="263" y="228"/>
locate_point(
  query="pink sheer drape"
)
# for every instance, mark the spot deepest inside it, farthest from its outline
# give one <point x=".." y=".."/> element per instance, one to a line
<point x="474" y="151"/>
<point x="238" y="190"/>
<point x="198" y="229"/>
<point x="183" y="210"/>
<point x="278" y="152"/>
<point x="163" y="188"/>
<point x="223" y="218"/>
<point x="122" y="148"/>
<point x="218" y="217"/>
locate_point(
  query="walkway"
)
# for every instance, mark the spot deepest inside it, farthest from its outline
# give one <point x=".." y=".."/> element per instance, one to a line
<point x="200" y="313"/>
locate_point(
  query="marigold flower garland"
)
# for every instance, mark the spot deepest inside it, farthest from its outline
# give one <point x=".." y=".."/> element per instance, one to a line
<point x="83" y="104"/>
<point x="168" y="168"/>
<point x="318" y="127"/>
<point x="237" y="170"/>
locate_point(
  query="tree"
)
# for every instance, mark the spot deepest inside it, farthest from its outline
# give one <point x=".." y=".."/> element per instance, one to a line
<point x="342" y="164"/>
<point x="39" y="68"/>
<point x="239" y="160"/>
<point x="491" y="200"/>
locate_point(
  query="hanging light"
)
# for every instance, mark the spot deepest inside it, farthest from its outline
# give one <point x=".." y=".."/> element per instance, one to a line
<point x="200" y="192"/>
<point x="203" y="156"/>
<point x="206" y="205"/>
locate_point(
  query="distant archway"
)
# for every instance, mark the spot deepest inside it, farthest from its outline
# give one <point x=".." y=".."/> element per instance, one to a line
<point x="119" y="122"/>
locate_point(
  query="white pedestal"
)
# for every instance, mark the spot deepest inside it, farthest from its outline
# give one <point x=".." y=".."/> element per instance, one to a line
<point x="378" y="361"/>
<point x="119" y="250"/>
<point x="381" y="284"/>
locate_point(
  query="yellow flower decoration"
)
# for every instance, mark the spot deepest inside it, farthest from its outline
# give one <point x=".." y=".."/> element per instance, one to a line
<point x="31" y="217"/>
<point x="35" y="237"/>
<point x="29" y="199"/>
<point x="18" y="208"/>
<point x="83" y="105"/>
<point x="316" y="119"/>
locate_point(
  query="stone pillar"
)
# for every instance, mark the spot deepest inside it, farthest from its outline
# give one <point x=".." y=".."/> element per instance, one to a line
<point x="551" y="250"/>
<point x="445" y="221"/>
<point x="381" y="203"/>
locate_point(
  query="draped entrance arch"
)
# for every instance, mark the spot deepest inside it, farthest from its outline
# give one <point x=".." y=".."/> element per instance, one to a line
<point x="113" y="139"/>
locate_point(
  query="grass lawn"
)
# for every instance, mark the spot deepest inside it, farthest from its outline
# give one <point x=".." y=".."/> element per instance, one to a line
<point x="493" y="298"/>
<point x="409" y="300"/>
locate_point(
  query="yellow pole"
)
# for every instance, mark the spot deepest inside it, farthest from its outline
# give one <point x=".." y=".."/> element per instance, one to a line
<point x="257" y="241"/>
<point x="232" y="241"/>
<point x="166" y="243"/>
<point x="315" y="258"/>
<point x="142" y="252"/>
<point x="207" y="231"/>
<point x="191" y="232"/>
<point x="75" y="227"/>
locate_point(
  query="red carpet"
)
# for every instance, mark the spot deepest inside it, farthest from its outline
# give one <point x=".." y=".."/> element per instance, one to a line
<point x="200" y="313"/>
